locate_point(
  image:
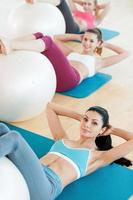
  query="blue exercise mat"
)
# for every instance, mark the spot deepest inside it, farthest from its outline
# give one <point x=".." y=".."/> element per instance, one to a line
<point x="108" y="34"/>
<point x="88" y="86"/>
<point x="112" y="182"/>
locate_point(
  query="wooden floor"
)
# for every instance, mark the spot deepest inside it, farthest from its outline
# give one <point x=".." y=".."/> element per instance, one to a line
<point x="117" y="95"/>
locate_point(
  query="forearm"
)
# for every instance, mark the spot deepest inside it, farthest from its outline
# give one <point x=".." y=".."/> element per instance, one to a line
<point x="30" y="45"/>
<point x="67" y="37"/>
<point x="101" y="12"/>
<point x="80" y="2"/>
<point x="122" y="133"/>
<point x="114" y="48"/>
<point x="26" y="37"/>
<point x="59" y="110"/>
<point x="103" y="5"/>
<point x="54" y="124"/>
<point x="72" y="5"/>
<point x="53" y="2"/>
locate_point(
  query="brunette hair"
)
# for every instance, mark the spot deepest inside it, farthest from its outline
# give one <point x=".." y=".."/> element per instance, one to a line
<point x="104" y="143"/>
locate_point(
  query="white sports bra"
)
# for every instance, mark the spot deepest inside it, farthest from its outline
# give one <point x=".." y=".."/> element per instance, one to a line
<point x="87" y="60"/>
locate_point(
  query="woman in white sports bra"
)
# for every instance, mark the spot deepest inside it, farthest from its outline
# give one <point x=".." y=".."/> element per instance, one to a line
<point x="67" y="160"/>
<point x="71" y="67"/>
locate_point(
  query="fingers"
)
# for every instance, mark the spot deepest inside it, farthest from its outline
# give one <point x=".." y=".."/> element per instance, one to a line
<point x="108" y="130"/>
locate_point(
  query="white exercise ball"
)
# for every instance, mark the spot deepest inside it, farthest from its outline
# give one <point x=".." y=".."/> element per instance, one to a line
<point x="27" y="84"/>
<point x="39" y="17"/>
<point x="5" y="8"/>
<point x="12" y="184"/>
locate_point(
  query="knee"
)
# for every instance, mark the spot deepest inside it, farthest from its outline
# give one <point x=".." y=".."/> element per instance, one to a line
<point x="15" y="135"/>
<point x="3" y="129"/>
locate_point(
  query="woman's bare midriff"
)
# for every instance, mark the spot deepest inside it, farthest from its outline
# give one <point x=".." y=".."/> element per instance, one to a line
<point x="61" y="167"/>
<point x="81" y="68"/>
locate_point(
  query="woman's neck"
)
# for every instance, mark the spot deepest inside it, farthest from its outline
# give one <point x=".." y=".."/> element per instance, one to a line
<point x="86" y="52"/>
<point x="89" y="142"/>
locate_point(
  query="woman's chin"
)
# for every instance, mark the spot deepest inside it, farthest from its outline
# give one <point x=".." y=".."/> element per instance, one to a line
<point x="85" y="134"/>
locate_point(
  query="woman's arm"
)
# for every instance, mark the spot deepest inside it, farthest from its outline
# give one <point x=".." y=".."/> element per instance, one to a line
<point x="104" y="158"/>
<point x="122" y="133"/>
<point x="80" y="2"/>
<point x="72" y="5"/>
<point x="53" y="111"/>
<point x="101" y="11"/>
<point x="53" y="2"/>
<point x="110" y="60"/>
<point x="61" y="39"/>
<point x="68" y="37"/>
<point x="120" y="150"/>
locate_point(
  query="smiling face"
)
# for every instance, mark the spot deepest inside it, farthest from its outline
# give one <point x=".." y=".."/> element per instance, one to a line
<point x="89" y="5"/>
<point x="91" y="125"/>
<point x="90" y="42"/>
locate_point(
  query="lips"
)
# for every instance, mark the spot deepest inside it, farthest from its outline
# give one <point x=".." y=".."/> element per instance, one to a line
<point x="86" y="47"/>
<point x="86" y="130"/>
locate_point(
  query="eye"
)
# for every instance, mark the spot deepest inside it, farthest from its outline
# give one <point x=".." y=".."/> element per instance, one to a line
<point x="85" y="39"/>
<point x="85" y="119"/>
<point x="85" y="3"/>
<point x="95" y="123"/>
<point x="91" y="41"/>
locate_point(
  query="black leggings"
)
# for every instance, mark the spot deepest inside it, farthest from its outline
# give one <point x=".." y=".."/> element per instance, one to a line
<point x="71" y="25"/>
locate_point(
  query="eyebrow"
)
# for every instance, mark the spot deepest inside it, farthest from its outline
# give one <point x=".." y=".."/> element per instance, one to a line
<point x="92" y="119"/>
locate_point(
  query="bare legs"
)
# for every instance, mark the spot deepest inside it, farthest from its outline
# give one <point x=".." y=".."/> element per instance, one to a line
<point x="24" y="43"/>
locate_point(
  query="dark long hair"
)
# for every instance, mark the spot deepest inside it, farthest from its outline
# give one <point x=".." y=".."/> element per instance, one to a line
<point x="98" y="32"/>
<point x="104" y="143"/>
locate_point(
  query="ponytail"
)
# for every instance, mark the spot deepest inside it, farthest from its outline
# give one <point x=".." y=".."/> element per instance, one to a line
<point x="99" y="50"/>
<point x="104" y="143"/>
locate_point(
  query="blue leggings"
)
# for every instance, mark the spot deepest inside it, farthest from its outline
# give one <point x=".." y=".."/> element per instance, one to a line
<point x="43" y="183"/>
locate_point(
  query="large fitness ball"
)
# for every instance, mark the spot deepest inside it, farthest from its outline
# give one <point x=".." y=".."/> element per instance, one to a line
<point x="5" y="8"/>
<point x="27" y="84"/>
<point x="12" y="183"/>
<point x="39" y="17"/>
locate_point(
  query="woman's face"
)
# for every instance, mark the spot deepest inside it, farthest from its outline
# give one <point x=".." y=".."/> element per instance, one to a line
<point x="91" y="125"/>
<point x="90" y="42"/>
<point x="89" y="5"/>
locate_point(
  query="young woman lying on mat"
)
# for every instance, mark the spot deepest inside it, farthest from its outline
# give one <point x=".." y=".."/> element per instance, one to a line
<point x="71" y="67"/>
<point x="79" y="158"/>
<point x="76" y="20"/>
<point x="92" y="14"/>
